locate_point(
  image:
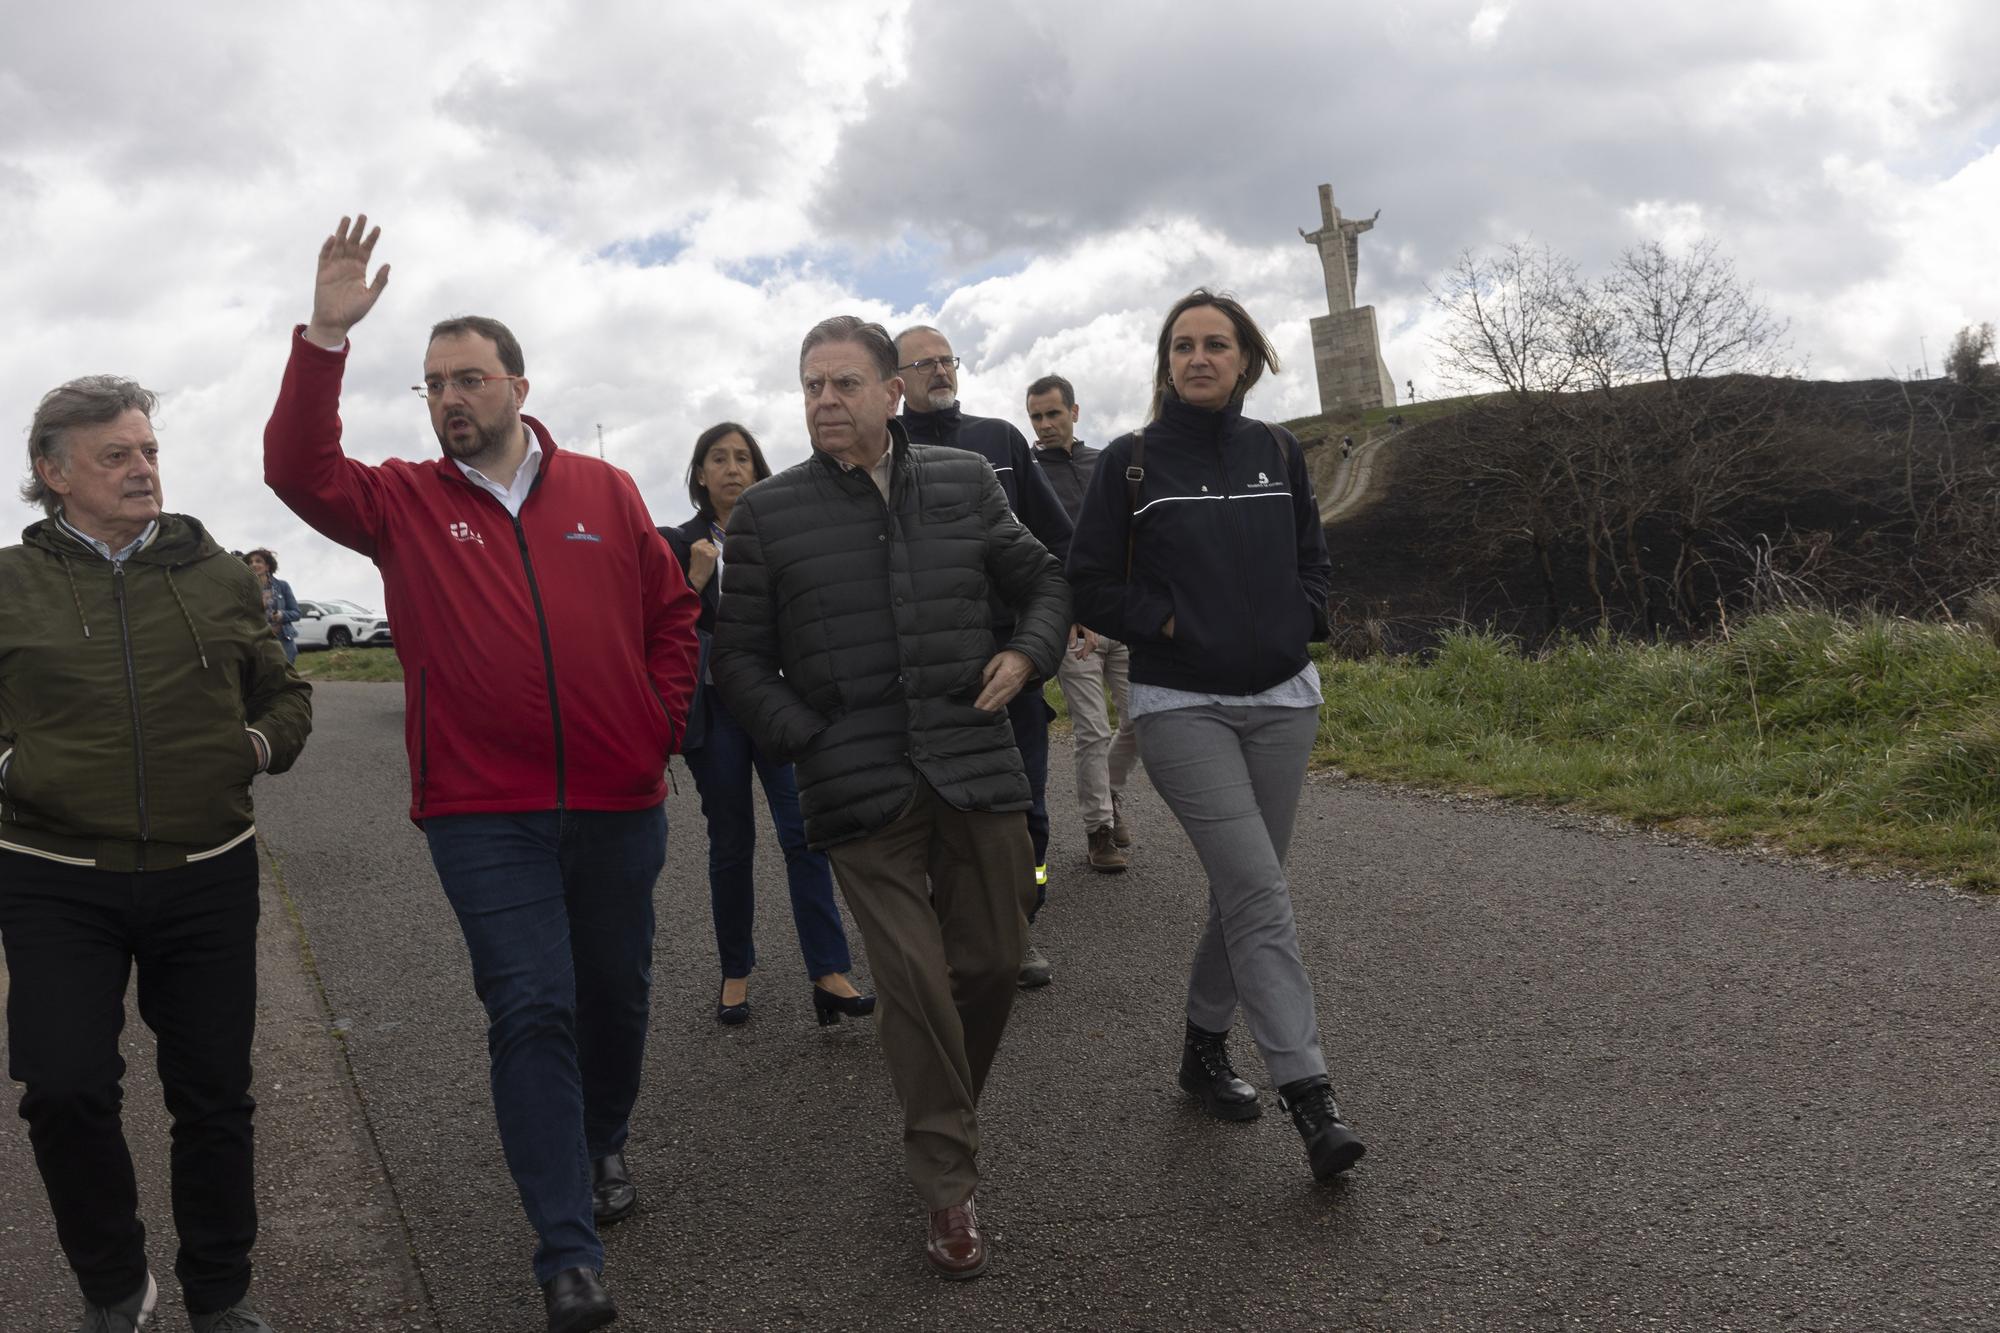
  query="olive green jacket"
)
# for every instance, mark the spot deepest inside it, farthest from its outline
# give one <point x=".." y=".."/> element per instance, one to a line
<point x="128" y="692"/>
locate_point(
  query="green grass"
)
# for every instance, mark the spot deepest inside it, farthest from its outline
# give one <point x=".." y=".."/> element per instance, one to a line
<point x="1870" y="740"/>
<point x="1327" y="426"/>
<point x="350" y="664"/>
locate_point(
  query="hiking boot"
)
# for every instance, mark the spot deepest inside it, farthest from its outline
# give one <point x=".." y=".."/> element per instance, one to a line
<point x="134" y="1312"/>
<point x="1331" y="1146"/>
<point x="1206" y="1076"/>
<point x="1121" y="831"/>
<point x="238" y="1318"/>
<point x="1106" y="856"/>
<point x="1035" y="972"/>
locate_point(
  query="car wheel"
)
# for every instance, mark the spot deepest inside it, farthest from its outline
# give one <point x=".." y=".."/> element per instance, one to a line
<point x="339" y="637"/>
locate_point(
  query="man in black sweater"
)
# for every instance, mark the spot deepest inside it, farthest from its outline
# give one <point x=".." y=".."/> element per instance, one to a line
<point x="931" y="415"/>
<point x="1104" y="760"/>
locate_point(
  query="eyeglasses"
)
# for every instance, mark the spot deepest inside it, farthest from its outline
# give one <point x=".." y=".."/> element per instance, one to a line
<point x="467" y="382"/>
<point x="932" y="362"/>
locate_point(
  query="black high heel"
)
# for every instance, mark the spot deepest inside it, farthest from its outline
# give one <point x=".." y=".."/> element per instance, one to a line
<point x="828" y="1007"/>
<point x="732" y="1015"/>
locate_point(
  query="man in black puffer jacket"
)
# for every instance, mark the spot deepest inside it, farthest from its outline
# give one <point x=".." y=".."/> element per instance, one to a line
<point x="855" y="639"/>
<point x="931" y="415"/>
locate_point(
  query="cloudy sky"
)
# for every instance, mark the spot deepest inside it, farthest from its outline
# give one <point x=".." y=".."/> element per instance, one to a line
<point x="661" y="197"/>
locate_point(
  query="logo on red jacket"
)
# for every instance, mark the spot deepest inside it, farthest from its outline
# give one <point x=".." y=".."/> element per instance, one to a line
<point x="581" y="535"/>
<point x="464" y="532"/>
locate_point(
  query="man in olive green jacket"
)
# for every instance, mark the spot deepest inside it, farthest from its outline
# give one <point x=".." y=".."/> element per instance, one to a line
<point x="141" y="689"/>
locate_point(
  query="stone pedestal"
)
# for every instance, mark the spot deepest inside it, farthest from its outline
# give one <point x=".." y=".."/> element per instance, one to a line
<point x="1347" y="354"/>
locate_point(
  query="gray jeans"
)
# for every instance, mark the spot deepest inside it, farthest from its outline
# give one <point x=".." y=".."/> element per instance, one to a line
<point x="1232" y="777"/>
<point x="1103" y="761"/>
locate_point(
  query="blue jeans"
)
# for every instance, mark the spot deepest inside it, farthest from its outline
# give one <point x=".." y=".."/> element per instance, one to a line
<point x="722" y="765"/>
<point x="557" y="910"/>
<point x="1029" y="712"/>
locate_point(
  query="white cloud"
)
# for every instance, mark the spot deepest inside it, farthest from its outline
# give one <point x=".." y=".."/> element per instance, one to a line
<point x="1484" y="30"/>
<point x="661" y="198"/>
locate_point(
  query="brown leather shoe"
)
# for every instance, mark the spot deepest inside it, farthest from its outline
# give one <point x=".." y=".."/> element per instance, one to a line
<point x="1106" y="856"/>
<point x="957" y="1247"/>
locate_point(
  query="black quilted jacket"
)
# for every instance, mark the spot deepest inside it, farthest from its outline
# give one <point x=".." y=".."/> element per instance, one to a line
<point x="852" y="633"/>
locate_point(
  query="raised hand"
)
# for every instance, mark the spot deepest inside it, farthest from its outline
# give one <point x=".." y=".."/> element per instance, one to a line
<point x="342" y="294"/>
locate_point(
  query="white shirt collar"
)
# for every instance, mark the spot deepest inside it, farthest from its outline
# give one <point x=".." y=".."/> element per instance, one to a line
<point x="514" y="496"/>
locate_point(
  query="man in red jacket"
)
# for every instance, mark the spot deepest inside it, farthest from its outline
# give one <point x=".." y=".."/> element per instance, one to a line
<point x="548" y="649"/>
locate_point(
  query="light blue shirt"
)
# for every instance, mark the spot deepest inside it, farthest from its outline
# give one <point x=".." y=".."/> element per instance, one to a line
<point x="102" y="548"/>
<point x="1301" y="691"/>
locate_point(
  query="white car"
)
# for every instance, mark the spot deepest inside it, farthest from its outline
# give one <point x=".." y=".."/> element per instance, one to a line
<point x="339" y="625"/>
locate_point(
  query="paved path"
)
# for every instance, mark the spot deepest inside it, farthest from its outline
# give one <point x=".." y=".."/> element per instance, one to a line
<point x="1607" y="1083"/>
<point x="1345" y="485"/>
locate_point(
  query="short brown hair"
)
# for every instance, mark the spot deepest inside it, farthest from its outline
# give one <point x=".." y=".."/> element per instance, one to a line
<point x="502" y="336"/>
<point x="270" y="560"/>
<point x="1056" y="383"/>
<point x="89" y="401"/>
<point x="853" y="329"/>
<point x="1257" y="354"/>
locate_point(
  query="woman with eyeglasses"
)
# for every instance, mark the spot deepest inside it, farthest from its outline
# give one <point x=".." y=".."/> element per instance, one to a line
<point x="722" y="757"/>
<point x="1199" y="546"/>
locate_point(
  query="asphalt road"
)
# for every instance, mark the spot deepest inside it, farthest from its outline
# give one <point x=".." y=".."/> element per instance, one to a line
<point x="1607" y="1083"/>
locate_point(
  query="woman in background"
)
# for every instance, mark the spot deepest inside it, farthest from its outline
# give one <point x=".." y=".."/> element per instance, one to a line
<point x="721" y="755"/>
<point x="1209" y="565"/>
<point x="280" y="607"/>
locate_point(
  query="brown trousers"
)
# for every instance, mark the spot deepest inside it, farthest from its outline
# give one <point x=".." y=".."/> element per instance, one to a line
<point x="941" y="896"/>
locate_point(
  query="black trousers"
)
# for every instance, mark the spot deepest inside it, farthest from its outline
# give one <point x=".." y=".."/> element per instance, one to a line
<point x="72" y="935"/>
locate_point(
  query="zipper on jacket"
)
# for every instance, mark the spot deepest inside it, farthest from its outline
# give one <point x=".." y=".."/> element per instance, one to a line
<point x="1242" y="558"/>
<point x="548" y="651"/>
<point x="132" y="688"/>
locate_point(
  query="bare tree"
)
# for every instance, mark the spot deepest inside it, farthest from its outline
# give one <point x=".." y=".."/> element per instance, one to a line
<point x="1507" y="321"/>
<point x="1621" y="431"/>
<point x="1688" y="315"/>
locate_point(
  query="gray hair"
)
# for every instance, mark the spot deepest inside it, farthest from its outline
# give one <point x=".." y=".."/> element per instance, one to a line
<point x="853" y="329"/>
<point x="90" y="401"/>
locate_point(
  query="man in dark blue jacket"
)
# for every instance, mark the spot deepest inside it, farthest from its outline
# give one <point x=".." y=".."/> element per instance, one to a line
<point x="931" y="415"/>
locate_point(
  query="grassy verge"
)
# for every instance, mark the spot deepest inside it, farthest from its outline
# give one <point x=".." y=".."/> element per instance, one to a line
<point x="1871" y="741"/>
<point x="1868" y="740"/>
<point x="350" y="664"/>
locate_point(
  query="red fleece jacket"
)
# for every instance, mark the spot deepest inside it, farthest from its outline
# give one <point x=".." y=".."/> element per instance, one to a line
<point x="548" y="661"/>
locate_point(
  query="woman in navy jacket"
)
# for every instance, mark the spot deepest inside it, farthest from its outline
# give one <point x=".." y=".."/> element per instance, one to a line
<point x="721" y="755"/>
<point x="1214" y="575"/>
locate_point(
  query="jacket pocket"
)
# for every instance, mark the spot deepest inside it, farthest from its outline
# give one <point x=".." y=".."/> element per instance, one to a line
<point x="949" y="513"/>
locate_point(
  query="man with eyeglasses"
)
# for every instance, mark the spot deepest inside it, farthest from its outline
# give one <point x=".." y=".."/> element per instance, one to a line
<point x="931" y="415"/>
<point x="548" y="649"/>
<point x="852" y="638"/>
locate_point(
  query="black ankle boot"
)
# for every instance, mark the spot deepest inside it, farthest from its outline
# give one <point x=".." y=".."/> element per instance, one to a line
<point x="1207" y="1077"/>
<point x="1331" y="1146"/>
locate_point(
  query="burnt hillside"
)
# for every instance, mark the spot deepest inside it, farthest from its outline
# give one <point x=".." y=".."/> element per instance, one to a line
<point x="1660" y="508"/>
